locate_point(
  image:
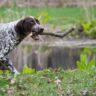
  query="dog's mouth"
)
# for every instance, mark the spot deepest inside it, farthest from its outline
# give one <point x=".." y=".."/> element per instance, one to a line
<point x="35" y="34"/>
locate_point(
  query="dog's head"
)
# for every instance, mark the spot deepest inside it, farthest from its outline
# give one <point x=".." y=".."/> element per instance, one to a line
<point x="27" y="25"/>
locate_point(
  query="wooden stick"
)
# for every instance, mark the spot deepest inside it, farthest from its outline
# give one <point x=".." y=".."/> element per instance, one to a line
<point x="55" y="34"/>
<point x="59" y="34"/>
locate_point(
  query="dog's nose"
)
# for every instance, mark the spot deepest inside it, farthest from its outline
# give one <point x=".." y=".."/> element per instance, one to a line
<point x="41" y="29"/>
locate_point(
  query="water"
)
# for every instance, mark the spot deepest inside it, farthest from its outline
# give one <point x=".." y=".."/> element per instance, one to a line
<point x="65" y="43"/>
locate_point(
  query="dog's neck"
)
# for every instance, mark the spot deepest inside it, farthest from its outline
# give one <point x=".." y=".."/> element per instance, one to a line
<point x="20" y="32"/>
<point x="17" y="37"/>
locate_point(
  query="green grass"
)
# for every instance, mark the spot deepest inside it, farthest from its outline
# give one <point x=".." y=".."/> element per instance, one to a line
<point x="43" y="83"/>
<point x="54" y="83"/>
<point x="57" y="15"/>
<point x="3" y="85"/>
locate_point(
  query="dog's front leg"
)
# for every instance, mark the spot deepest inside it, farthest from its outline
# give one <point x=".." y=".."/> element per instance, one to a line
<point x="6" y="64"/>
<point x="14" y="70"/>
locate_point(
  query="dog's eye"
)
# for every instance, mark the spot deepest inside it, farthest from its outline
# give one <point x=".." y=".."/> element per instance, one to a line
<point x="37" y="21"/>
<point x="32" y="22"/>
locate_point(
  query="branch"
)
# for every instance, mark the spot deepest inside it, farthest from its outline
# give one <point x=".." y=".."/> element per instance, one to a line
<point x="59" y="34"/>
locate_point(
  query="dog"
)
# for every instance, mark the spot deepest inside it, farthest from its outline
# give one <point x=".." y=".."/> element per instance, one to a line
<point x="11" y="34"/>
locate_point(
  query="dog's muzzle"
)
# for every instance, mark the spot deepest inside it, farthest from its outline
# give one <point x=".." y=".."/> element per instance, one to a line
<point x="37" y="30"/>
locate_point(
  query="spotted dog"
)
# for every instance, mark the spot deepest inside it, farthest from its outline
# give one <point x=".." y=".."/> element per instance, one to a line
<point x="11" y="34"/>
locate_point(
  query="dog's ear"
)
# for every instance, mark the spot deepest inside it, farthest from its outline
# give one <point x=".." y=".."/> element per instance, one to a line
<point x="28" y="24"/>
<point x="24" y="26"/>
<point x="19" y="27"/>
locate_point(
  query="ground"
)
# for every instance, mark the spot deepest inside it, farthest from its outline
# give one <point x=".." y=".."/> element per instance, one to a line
<point x="50" y="82"/>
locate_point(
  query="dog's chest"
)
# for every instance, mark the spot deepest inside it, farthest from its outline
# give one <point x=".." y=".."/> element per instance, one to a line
<point x="8" y="39"/>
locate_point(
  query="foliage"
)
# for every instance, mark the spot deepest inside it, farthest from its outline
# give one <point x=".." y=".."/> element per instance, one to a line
<point x="6" y="72"/>
<point x="27" y="70"/>
<point x="89" y="28"/>
<point x="86" y="62"/>
<point x="48" y="82"/>
<point x="44" y="17"/>
<point x="53" y="15"/>
<point x="3" y="85"/>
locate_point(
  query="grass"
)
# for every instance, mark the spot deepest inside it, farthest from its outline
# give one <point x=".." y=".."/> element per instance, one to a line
<point x="57" y="15"/>
<point x="49" y="82"/>
<point x="52" y="83"/>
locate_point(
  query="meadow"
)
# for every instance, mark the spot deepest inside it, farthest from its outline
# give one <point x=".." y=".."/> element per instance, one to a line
<point x="56" y="16"/>
<point x="48" y="82"/>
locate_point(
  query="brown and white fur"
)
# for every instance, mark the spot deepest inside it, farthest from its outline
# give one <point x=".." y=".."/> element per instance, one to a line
<point x="11" y="34"/>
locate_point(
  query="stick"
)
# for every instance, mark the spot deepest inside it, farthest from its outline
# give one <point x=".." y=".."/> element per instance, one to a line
<point x="59" y="34"/>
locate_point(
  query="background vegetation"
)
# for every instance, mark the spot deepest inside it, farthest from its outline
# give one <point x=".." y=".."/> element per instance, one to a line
<point x="57" y="82"/>
<point x="50" y="83"/>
